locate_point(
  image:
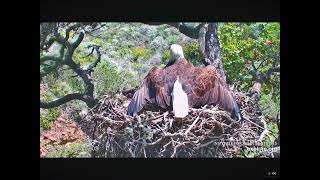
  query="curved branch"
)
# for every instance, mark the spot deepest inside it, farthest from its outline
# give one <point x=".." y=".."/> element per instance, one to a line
<point x="66" y="59"/>
<point x="72" y="47"/>
<point x="61" y="101"/>
<point x="188" y="30"/>
<point x="95" y="63"/>
<point x="74" y="96"/>
<point x="78" y="41"/>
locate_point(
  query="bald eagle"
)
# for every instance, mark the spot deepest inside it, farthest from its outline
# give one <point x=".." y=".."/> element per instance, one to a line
<point x="181" y="86"/>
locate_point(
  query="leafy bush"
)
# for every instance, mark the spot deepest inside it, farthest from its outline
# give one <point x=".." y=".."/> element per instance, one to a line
<point x="48" y="116"/>
<point x="81" y="56"/>
<point x="108" y="78"/>
<point x="247" y="153"/>
<point x="192" y="53"/>
<point x="74" y="150"/>
<point x="141" y="52"/>
<point x="136" y="66"/>
<point x="166" y="55"/>
<point x="245" y="43"/>
<point x="268" y="141"/>
<point x="269" y="106"/>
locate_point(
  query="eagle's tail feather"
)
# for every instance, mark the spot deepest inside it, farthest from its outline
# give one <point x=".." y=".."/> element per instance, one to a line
<point x="236" y="113"/>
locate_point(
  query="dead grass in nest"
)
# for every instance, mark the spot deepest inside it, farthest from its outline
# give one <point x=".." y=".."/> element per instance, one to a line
<point x="205" y="132"/>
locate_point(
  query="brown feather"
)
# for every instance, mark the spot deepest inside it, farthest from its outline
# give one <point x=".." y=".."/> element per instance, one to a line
<point x="202" y="85"/>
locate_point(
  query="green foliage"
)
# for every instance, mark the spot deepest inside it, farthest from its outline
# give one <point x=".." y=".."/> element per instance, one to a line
<point x="122" y="51"/>
<point x="136" y="66"/>
<point x="162" y="65"/>
<point x="62" y="85"/>
<point x="60" y="89"/>
<point x="245" y="43"/>
<point x="48" y="116"/>
<point x="141" y="52"/>
<point x="192" y="53"/>
<point x="170" y="34"/>
<point x="247" y="153"/>
<point x="98" y="41"/>
<point x="81" y="57"/>
<point x="41" y="53"/>
<point x="268" y="141"/>
<point x="269" y="106"/>
<point x="108" y="78"/>
<point x="166" y="55"/>
<point x="171" y="39"/>
<point x="74" y="150"/>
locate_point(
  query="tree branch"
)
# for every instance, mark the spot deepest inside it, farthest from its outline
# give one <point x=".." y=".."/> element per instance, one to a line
<point x="72" y="47"/>
<point x="65" y="99"/>
<point x="95" y="63"/>
<point x="202" y="44"/>
<point x="66" y="59"/>
<point x="188" y="30"/>
<point x="69" y="29"/>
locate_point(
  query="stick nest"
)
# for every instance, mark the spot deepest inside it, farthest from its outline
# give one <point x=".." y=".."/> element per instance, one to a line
<point x="205" y="132"/>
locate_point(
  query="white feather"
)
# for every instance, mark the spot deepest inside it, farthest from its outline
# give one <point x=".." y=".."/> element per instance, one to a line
<point x="179" y="101"/>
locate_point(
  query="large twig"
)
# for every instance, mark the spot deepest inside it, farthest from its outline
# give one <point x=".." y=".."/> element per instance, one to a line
<point x="194" y="122"/>
<point x="65" y="99"/>
<point x="265" y="131"/>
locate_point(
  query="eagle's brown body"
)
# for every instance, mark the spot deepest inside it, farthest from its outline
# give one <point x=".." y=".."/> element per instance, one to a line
<point x="202" y="85"/>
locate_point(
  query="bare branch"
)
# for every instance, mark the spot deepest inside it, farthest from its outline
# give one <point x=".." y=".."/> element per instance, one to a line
<point x="72" y="47"/>
<point x="188" y="30"/>
<point x="66" y="59"/>
<point x="265" y="130"/>
<point x="95" y="63"/>
<point x="89" y="53"/>
<point x="65" y="99"/>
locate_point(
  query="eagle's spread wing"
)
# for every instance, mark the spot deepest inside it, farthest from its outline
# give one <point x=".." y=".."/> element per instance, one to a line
<point x="159" y="91"/>
<point x="153" y="90"/>
<point x="139" y="99"/>
<point x="202" y="85"/>
<point x="205" y="86"/>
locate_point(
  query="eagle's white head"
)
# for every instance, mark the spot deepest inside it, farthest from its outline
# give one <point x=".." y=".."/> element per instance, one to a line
<point x="176" y="52"/>
<point x="179" y="100"/>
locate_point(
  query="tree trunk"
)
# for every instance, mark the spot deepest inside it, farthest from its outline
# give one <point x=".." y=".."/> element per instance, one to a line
<point x="212" y="53"/>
